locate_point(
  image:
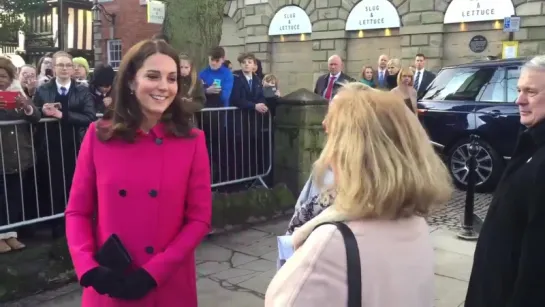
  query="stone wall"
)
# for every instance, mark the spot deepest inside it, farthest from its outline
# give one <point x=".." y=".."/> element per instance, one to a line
<point x="422" y="31"/>
<point x="299" y="137"/>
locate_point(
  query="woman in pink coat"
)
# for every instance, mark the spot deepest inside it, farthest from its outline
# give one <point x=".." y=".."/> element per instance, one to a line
<point x="142" y="174"/>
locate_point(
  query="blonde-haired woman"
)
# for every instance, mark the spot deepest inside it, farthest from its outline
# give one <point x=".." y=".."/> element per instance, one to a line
<point x="193" y="88"/>
<point x="405" y="88"/>
<point x="394" y="66"/>
<point x="387" y="178"/>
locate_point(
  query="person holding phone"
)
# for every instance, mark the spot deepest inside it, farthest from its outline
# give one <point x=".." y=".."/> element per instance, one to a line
<point x="17" y="154"/>
<point x="28" y="79"/>
<point x="217" y="79"/>
<point x="45" y="67"/>
<point x="74" y="108"/>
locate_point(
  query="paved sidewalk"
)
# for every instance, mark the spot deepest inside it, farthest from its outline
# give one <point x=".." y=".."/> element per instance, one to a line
<point x="235" y="269"/>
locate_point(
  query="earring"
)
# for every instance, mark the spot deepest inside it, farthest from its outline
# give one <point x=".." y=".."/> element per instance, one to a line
<point x="132" y="92"/>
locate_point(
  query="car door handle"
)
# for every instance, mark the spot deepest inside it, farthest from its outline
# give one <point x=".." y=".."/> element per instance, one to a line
<point x="494" y="113"/>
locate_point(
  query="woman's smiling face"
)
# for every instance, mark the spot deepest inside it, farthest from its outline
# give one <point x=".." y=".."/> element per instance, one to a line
<point x="156" y="84"/>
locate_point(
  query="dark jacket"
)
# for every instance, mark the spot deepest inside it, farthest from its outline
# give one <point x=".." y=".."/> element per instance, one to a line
<point x="384" y="85"/>
<point x="427" y="79"/>
<point x="103" y="76"/>
<point x="81" y="106"/>
<point x="245" y="97"/>
<point x="197" y="95"/>
<point x="98" y="98"/>
<point x="323" y="81"/>
<point x="508" y="267"/>
<point x="391" y="81"/>
<point x="17" y="149"/>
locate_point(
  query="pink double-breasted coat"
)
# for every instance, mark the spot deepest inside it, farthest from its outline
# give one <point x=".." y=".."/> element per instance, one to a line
<point x="155" y="195"/>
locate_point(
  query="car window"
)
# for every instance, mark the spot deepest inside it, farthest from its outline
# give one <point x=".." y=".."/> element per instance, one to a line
<point x="494" y="90"/>
<point x="460" y="83"/>
<point x="513" y="74"/>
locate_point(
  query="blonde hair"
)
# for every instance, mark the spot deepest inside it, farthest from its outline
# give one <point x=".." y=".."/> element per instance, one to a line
<point x="383" y="162"/>
<point x="405" y="72"/>
<point x="395" y="63"/>
<point x="270" y="78"/>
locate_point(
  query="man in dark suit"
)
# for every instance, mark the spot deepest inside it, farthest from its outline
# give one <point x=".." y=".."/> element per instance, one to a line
<point x="327" y="85"/>
<point x="422" y="77"/>
<point x="249" y="123"/>
<point x="381" y="74"/>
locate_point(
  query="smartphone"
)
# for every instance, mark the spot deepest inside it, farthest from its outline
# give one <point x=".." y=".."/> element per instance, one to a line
<point x="9" y="99"/>
<point x="217" y="83"/>
<point x="49" y="72"/>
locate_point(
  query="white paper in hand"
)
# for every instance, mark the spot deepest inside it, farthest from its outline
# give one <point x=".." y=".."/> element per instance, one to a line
<point x="285" y="247"/>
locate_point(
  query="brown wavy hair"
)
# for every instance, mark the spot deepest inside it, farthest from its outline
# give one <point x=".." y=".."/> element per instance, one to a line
<point x="124" y="117"/>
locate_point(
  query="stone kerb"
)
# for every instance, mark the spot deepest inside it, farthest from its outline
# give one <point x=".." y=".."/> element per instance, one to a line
<point x="299" y="137"/>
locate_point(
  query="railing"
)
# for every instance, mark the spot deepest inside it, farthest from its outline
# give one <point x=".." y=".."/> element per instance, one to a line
<point x="38" y="160"/>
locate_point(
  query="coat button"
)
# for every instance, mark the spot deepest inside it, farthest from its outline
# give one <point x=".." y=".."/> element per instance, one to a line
<point x="122" y="193"/>
<point x="149" y="250"/>
<point x="153" y="193"/>
<point x="158" y="141"/>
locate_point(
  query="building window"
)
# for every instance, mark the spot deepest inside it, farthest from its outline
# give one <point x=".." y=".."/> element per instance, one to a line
<point x="114" y="52"/>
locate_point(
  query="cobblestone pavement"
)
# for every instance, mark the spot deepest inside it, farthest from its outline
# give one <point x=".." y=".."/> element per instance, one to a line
<point x="448" y="216"/>
<point x="235" y="269"/>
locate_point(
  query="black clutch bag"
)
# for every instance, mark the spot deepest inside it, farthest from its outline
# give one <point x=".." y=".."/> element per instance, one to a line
<point x="113" y="255"/>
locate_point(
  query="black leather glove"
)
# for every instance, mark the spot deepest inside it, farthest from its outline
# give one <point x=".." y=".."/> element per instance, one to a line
<point x="134" y="286"/>
<point x="102" y="279"/>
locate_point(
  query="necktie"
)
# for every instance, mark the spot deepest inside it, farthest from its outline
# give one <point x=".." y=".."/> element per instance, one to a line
<point x="329" y="89"/>
<point x="417" y="81"/>
<point x="381" y="78"/>
<point x="63" y="91"/>
<point x="250" y="83"/>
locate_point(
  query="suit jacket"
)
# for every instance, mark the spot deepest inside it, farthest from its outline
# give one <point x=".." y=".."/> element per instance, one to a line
<point x="322" y="82"/>
<point x="384" y="85"/>
<point x="427" y="79"/>
<point x="244" y="97"/>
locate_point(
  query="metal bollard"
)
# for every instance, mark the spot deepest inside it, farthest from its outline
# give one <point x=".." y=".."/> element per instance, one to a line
<point x="471" y="223"/>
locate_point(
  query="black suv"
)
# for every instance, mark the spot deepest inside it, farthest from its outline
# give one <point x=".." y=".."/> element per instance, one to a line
<point x="475" y="98"/>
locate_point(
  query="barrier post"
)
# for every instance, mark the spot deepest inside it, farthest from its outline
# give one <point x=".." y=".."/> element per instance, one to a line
<point x="471" y="223"/>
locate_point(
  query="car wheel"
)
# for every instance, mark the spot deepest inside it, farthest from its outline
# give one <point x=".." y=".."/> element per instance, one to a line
<point x="490" y="165"/>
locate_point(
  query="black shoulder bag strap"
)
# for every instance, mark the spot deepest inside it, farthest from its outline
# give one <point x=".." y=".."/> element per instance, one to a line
<point x="353" y="263"/>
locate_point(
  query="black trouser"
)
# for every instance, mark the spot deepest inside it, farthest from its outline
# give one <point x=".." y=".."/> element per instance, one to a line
<point x="56" y="166"/>
<point x="17" y="197"/>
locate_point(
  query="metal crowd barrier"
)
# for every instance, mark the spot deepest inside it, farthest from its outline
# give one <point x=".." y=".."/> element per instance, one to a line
<point x="37" y="171"/>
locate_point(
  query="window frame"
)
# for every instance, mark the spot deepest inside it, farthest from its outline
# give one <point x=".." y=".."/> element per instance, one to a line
<point x="110" y="49"/>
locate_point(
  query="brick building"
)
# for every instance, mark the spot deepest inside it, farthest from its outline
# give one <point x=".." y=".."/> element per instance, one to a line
<point x="130" y="27"/>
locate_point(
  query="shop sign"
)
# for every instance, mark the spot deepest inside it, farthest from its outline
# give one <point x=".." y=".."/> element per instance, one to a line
<point x="478" y="10"/>
<point x="290" y="20"/>
<point x="156" y="12"/>
<point x="373" y="14"/>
